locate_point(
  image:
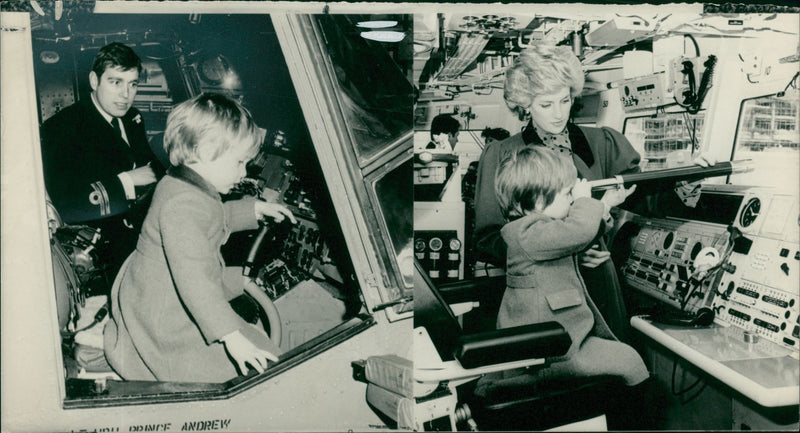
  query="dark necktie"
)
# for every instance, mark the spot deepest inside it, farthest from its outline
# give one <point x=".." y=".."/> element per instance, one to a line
<point x="117" y="128"/>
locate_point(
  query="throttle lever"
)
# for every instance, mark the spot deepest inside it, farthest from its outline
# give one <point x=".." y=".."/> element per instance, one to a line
<point x="251" y="255"/>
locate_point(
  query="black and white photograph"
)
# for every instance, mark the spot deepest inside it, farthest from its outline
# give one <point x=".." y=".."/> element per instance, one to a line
<point x="606" y="219"/>
<point x="257" y="216"/>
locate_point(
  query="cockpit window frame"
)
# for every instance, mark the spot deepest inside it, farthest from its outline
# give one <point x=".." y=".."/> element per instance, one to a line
<point x="672" y="110"/>
<point x="89" y="393"/>
<point x="325" y="93"/>
<point x="732" y="179"/>
<point x="400" y="287"/>
<point x="364" y="158"/>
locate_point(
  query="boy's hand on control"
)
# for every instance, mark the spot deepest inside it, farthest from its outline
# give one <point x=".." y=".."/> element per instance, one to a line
<point x="581" y="189"/>
<point x="244" y="352"/>
<point x="616" y="196"/>
<point x="273" y="210"/>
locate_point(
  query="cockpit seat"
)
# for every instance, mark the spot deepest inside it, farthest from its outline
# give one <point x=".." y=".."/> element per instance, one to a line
<point x="88" y="343"/>
<point x="88" y="351"/>
<point x="484" y="372"/>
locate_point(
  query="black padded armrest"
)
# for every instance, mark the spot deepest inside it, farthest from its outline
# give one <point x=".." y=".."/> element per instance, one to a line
<point x="471" y="290"/>
<point x="538" y="340"/>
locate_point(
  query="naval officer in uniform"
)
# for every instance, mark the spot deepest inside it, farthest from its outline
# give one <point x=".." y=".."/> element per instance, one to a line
<point x="98" y="165"/>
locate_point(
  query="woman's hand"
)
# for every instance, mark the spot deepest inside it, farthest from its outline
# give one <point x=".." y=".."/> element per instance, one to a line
<point x="689" y="192"/>
<point x="593" y="257"/>
<point x="273" y="210"/>
<point x="616" y="196"/>
<point x="685" y="158"/>
<point x="704" y="160"/>
<point x="244" y="352"/>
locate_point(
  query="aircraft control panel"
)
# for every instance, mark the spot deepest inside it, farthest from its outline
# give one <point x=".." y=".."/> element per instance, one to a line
<point x="293" y="252"/>
<point x="738" y="255"/>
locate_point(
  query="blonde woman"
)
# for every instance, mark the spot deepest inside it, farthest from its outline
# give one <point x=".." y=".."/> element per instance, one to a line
<point x="542" y="85"/>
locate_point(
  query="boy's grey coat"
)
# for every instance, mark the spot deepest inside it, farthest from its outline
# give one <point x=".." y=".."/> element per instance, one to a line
<point x="171" y="306"/>
<point x="599" y="153"/>
<point x="544" y="284"/>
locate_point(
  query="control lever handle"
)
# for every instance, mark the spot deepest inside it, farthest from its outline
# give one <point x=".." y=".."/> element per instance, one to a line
<point x="690" y="173"/>
<point x="247" y="266"/>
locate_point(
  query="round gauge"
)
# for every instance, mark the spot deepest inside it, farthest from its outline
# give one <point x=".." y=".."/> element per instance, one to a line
<point x="455" y="244"/>
<point x="435" y="244"/>
<point x="214" y="69"/>
<point x="668" y="240"/>
<point x="419" y="245"/>
<point x="49" y="57"/>
<point x="750" y="212"/>
<point x="696" y="249"/>
<point x="729" y="290"/>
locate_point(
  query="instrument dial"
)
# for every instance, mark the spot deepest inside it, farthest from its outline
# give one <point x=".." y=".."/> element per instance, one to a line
<point x="668" y="240"/>
<point x="750" y="212"/>
<point x="696" y="249"/>
<point x="435" y="244"/>
<point x="214" y="69"/>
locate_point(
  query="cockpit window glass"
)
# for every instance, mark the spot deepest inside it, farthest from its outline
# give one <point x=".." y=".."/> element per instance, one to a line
<point x="658" y="139"/>
<point x="395" y="196"/>
<point x="375" y="96"/>
<point x="767" y="134"/>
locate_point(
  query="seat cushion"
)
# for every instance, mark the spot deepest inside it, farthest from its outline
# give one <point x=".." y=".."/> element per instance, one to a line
<point x="518" y="402"/>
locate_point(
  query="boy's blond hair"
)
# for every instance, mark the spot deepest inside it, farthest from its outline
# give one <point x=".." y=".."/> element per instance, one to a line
<point x="530" y="176"/>
<point x="207" y="126"/>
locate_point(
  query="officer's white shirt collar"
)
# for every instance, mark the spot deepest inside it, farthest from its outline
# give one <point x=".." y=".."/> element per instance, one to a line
<point x="102" y="112"/>
<point x="109" y="117"/>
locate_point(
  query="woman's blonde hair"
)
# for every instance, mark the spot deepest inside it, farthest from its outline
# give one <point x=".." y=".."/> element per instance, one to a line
<point x="542" y="70"/>
<point x="530" y="176"/>
<point x="207" y="126"/>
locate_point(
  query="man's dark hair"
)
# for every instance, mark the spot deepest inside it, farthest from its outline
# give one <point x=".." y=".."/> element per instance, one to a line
<point x="444" y="123"/>
<point x="113" y="55"/>
<point x="498" y="134"/>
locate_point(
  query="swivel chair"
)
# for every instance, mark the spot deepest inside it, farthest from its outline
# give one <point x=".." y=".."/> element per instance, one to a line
<point x="469" y="379"/>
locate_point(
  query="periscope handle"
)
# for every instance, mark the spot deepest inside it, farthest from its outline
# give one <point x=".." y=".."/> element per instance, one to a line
<point x="689" y="173"/>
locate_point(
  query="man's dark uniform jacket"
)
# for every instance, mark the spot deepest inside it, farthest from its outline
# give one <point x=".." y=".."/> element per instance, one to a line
<point x="82" y="155"/>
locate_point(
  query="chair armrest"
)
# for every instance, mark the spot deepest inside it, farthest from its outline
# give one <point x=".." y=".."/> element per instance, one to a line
<point x="471" y="290"/>
<point x="538" y="340"/>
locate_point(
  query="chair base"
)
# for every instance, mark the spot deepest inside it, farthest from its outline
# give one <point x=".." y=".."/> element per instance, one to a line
<point x="543" y="405"/>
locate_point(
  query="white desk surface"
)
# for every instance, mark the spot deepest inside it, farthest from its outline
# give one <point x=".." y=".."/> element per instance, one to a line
<point x="765" y="372"/>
